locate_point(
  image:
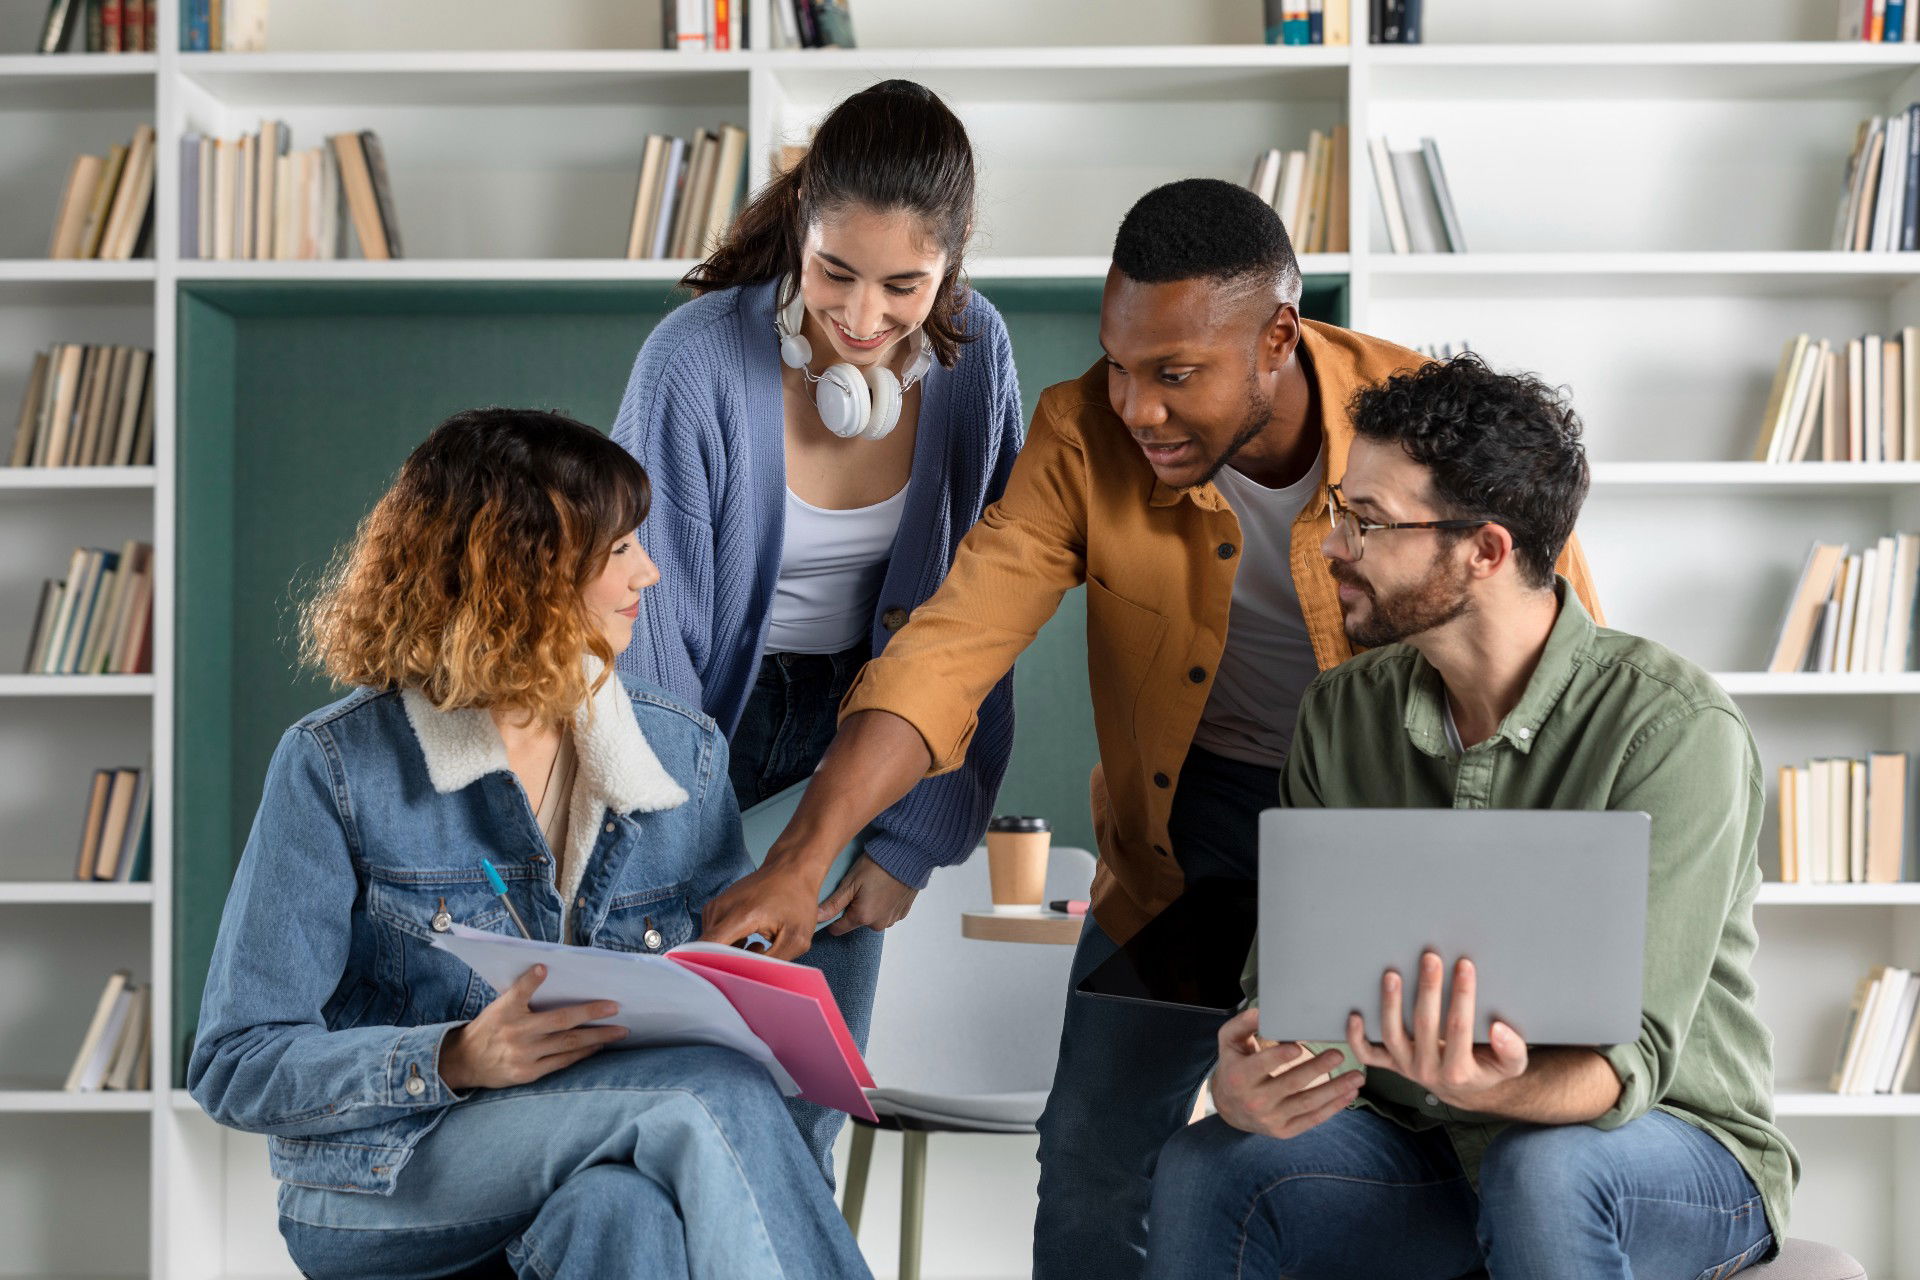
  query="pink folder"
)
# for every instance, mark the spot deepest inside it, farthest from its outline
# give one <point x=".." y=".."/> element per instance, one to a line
<point x="789" y="1006"/>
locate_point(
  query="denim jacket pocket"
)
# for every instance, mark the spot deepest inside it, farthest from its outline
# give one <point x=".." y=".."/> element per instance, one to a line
<point x="414" y="906"/>
<point x="652" y="921"/>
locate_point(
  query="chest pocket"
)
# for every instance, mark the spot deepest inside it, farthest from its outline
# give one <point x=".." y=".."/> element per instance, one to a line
<point x="652" y="921"/>
<point x="1122" y="639"/>
<point x="412" y="908"/>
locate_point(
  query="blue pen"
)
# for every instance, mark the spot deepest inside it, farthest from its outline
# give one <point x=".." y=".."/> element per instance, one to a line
<point x="500" y="887"/>
<point x="757" y="942"/>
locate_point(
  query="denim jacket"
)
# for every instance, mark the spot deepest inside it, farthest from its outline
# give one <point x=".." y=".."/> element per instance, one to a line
<point x="326" y="1006"/>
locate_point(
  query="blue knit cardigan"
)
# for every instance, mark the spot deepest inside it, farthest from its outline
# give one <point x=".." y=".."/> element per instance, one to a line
<point x="703" y="412"/>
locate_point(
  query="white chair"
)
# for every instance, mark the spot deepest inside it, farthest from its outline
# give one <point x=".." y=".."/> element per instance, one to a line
<point x="965" y="1033"/>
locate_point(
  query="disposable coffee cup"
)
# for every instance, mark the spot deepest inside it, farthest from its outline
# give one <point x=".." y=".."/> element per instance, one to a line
<point x="1017" y="864"/>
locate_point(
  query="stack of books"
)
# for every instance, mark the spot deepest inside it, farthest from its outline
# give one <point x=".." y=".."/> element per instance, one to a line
<point x="118" y="1050"/>
<point x="86" y="406"/>
<point x="97" y="621"/>
<point x="254" y="197"/>
<point x="1852" y="402"/>
<point x="1396" y="21"/>
<point x="222" y="26"/>
<point x="1442" y="350"/>
<point x="804" y="24"/>
<point x="1844" y="821"/>
<point x="1882" y="1038"/>
<point x="1308" y="189"/>
<point x="1879" y="21"/>
<point x="1308" y="22"/>
<point x="1851" y="613"/>
<point x="112" y="26"/>
<point x="107" y="208"/>
<point x="687" y="193"/>
<point x="1416" y="200"/>
<point x="115" y="838"/>
<point x="1880" y="200"/>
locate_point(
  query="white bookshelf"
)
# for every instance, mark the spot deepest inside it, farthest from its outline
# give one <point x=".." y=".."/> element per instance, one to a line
<point x="1647" y="188"/>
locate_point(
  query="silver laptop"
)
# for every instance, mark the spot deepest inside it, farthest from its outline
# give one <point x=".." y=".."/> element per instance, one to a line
<point x="1550" y="905"/>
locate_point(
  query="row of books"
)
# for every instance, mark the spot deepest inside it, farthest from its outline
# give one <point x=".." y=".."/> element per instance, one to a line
<point x="1880" y="201"/>
<point x="1879" y="21"/>
<point x="1442" y="350"/>
<point x="1851" y="613"/>
<point x="86" y="406"/>
<point x="117" y="1052"/>
<point x="1882" y="1039"/>
<point x="106" y="210"/>
<point x="1852" y="402"/>
<point x="1308" y="189"/>
<point x="1416" y="200"/>
<point x="98" y="620"/>
<point x="111" y="26"/>
<point x="116" y="835"/>
<point x="1308" y="22"/>
<point x="229" y="26"/>
<point x="254" y="197"/>
<point x="687" y="193"/>
<point x="1397" y="21"/>
<point x="717" y="26"/>
<point x="1844" y="821"/>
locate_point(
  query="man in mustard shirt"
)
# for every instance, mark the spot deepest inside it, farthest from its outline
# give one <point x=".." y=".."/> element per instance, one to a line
<point x="1654" y="1158"/>
<point x="1183" y="481"/>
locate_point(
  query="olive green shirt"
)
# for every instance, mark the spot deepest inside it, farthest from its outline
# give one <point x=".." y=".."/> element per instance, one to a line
<point x="1608" y="721"/>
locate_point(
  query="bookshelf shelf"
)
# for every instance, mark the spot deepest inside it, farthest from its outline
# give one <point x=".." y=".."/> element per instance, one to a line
<point x="1751" y="684"/>
<point x="76" y="893"/>
<point x="58" y="271"/>
<point x="1802" y="265"/>
<point x="1790" y="479"/>
<point x="1616" y="71"/>
<point x="30" y="478"/>
<point x="56" y="1101"/>
<point x="1774" y="894"/>
<point x="29" y="67"/>
<point x="25" y="686"/>
<point x="1808" y="1103"/>
<point x="540" y="79"/>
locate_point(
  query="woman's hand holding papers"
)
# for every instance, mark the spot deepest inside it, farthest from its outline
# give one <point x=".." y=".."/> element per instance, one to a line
<point x="1440" y="1055"/>
<point x="508" y="1043"/>
<point x="1276" y="1089"/>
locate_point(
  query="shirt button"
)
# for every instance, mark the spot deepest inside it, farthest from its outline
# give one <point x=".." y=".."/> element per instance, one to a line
<point x="1162" y="780"/>
<point x="441" y="922"/>
<point x="653" y="939"/>
<point x="610" y="828"/>
<point x="1198" y="675"/>
<point x="1432" y="1101"/>
<point x="894" y="619"/>
<point x="1526" y="733"/>
<point x="1225" y="551"/>
<point x="415" y="1086"/>
<point x="580" y="902"/>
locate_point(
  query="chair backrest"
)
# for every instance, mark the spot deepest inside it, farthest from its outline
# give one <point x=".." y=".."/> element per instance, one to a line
<point x="955" y="1015"/>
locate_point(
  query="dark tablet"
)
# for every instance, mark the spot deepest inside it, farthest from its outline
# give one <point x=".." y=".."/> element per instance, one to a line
<point x="1191" y="955"/>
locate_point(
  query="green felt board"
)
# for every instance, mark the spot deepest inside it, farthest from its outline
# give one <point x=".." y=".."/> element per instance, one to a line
<point x="297" y="404"/>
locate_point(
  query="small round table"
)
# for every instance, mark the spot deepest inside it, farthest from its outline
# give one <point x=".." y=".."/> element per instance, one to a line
<point x="1056" y="927"/>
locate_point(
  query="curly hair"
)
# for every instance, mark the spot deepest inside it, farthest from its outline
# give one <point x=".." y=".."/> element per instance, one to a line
<point x="465" y="579"/>
<point x="1498" y="446"/>
<point x="1206" y="229"/>
<point x="894" y="145"/>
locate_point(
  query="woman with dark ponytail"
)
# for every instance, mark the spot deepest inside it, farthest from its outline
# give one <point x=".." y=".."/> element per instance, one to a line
<point x="822" y="423"/>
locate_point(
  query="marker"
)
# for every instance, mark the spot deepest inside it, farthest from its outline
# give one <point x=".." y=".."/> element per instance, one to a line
<point x="500" y="887"/>
<point x="1068" y="906"/>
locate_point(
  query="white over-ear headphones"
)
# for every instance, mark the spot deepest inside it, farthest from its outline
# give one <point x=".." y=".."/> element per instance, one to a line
<point x="852" y="402"/>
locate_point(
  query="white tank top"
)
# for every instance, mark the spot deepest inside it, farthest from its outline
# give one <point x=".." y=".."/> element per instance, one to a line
<point x="831" y="570"/>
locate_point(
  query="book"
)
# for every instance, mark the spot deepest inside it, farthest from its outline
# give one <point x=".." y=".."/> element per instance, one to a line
<point x="1388" y="191"/>
<point x="1887" y="817"/>
<point x="123" y="1071"/>
<point x="672" y="182"/>
<point x="57" y="29"/>
<point x="70" y="221"/>
<point x="382" y="191"/>
<point x="646" y="197"/>
<point x="131" y="199"/>
<point x="357" y="182"/>
<point x="1418" y="204"/>
<point x="833" y="22"/>
<point x="94" y="824"/>
<point x="778" y="1013"/>
<point x="109" y="1015"/>
<point x="1796" y="630"/>
<point x="729" y="180"/>
<point x="1456" y="240"/>
<point x="28" y="423"/>
<point x="1850" y="1036"/>
<point x="113" y="831"/>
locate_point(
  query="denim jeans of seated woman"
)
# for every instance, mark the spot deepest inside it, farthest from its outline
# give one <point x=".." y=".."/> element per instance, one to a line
<point x="648" y="1164"/>
<point x="787" y="726"/>
<point x="1360" y="1197"/>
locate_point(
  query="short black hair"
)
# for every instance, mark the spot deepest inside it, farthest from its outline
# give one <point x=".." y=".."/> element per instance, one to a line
<point x="1503" y="447"/>
<point x="1203" y="228"/>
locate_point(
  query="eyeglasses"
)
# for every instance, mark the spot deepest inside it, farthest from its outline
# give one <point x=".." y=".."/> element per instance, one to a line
<point x="1353" y="530"/>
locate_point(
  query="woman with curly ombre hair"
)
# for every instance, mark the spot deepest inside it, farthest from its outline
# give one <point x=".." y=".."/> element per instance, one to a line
<point x="422" y="1124"/>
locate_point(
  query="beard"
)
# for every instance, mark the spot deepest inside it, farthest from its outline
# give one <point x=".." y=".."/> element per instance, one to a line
<point x="1259" y="412"/>
<point x="1434" y="601"/>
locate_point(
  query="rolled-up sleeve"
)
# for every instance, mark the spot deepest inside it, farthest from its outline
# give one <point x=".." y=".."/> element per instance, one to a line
<point x="1697" y="777"/>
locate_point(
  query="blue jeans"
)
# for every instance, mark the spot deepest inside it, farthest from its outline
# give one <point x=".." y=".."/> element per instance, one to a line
<point x="1360" y="1197"/>
<point x="788" y="724"/>
<point x="648" y="1163"/>
<point x="1128" y="1073"/>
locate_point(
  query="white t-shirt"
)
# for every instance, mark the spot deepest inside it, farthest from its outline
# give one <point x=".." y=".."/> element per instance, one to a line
<point x="1269" y="660"/>
<point x="832" y="566"/>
